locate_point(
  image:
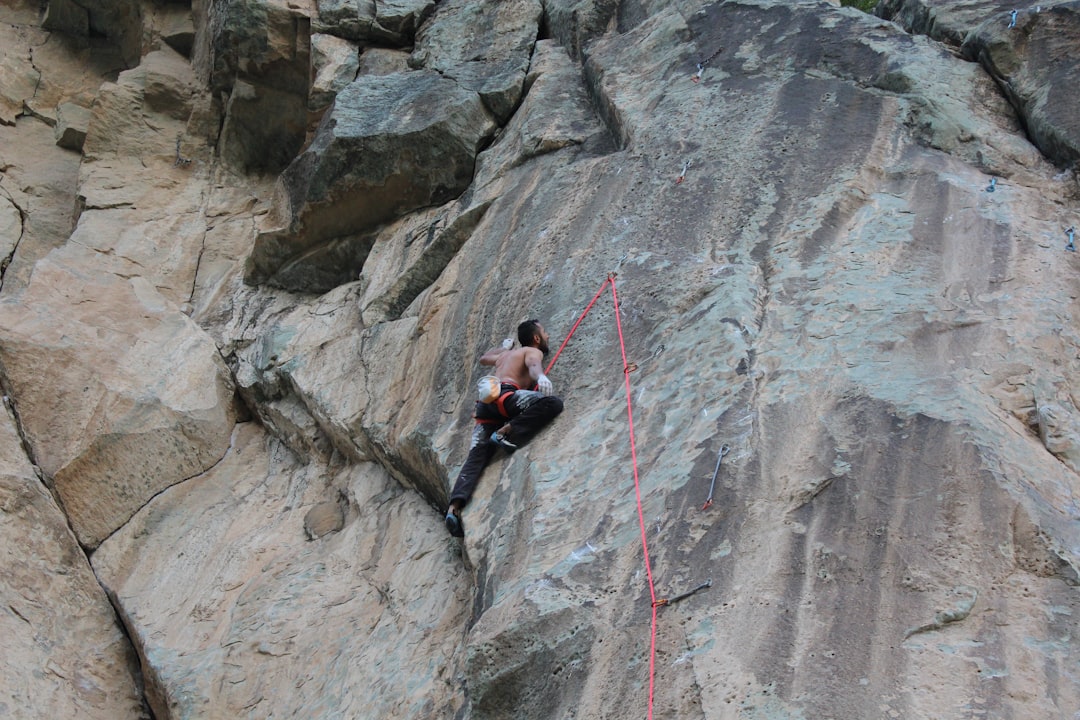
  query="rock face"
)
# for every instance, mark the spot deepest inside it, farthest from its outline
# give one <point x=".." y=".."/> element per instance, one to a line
<point x="839" y="247"/>
<point x="237" y="593"/>
<point x="394" y="22"/>
<point x="1029" y="54"/>
<point x="122" y="399"/>
<point x="390" y="145"/>
<point x="65" y="653"/>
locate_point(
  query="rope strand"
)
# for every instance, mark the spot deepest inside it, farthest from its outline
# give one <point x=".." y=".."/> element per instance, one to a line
<point x="586" y="312"/>
<point x="627" y="368"/>
<point x="637" y="492"/>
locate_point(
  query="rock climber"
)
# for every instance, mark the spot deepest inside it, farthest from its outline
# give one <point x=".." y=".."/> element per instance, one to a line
<point x="525" y="404"/>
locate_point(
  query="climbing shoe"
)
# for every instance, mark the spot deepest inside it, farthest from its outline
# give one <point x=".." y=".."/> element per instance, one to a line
<point x="501" y="441"/>
<point x="453" y="524"/>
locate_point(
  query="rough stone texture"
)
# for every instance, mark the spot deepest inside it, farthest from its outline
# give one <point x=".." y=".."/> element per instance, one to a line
<point x="54" y="68"/>
<point x="258" y="54"/>
<point x="485" y="46"/>
<point x="174" y="25"/>
<point x="120" y="395"/>
<point x="300" y="628"/>
<point x="118" y="20"/>
<point x="812" y="270"/>
<point x="1034" y="60"/>
<point x="18" y="77"/>
<point x="383" y="61"/>
<point x="555" y="114"/>
<point x="67" y="17"/>
<point x="11" y="227"/>
<point x="845" y="358"/>
<point x="388" y="22"/>
<point x="126" y="396"/>
<point x="250" y="143"/>
<point x="38" y="177"/>
<point x="65" y="654"/>
<point x="334" y="63"/>
<point x="390" y="145"/>
<point x="72" y="122"/>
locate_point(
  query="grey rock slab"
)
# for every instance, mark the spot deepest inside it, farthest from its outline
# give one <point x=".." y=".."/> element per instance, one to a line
<point x="484" y="46"/>
<point x="390" y="145"/>
<point x="555" y="113"/>
<point x="1031" y="56"/>
<point x="392" y="22"/>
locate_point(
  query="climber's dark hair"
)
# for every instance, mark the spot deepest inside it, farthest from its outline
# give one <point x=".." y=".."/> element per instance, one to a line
<point x="526" y="331"/>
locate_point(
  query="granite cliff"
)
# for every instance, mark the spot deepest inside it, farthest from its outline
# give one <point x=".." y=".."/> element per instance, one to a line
<point x="252" y="250"/>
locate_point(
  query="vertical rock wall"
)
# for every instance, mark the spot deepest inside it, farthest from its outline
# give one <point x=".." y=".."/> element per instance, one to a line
<point x="242" y="309"/>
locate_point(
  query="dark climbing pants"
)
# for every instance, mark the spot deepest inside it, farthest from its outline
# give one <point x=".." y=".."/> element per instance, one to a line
<point x="524" y="423"/>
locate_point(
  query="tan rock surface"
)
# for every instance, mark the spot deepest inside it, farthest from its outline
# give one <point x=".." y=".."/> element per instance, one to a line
<point x="299" y="627"/>
<point x="65" y="654"/>
<point x="334" y="64"/>
<point x="120" y="395"/>
<point x="837" y="253"/>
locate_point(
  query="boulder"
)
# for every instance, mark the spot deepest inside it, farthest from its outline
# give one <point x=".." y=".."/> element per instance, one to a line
<point x="334" y="64"/>
<point x="133" y="117"/>
<point x="484" y="46"/>
<point x="121" y="399"/>
<point x="392" y="22"/>
<point x="72" y="122"/>
<point x="391" y="144"/>
<point x="65" y="654"/>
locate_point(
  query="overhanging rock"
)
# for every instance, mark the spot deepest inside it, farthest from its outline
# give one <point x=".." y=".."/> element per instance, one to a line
<point x="390" y="145"/>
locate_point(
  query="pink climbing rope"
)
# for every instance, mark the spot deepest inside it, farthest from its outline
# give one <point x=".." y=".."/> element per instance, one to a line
<point x="637" y="491"/>
<point x="627" y="369"/>
<point x="586" y="312"/>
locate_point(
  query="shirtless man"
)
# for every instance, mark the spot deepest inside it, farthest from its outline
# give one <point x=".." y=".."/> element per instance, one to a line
<point x="525" y="405"/>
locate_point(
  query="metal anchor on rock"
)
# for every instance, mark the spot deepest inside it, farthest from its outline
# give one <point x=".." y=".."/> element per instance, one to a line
<point x="712" y="485"/>
<point x="671" y="601"/>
